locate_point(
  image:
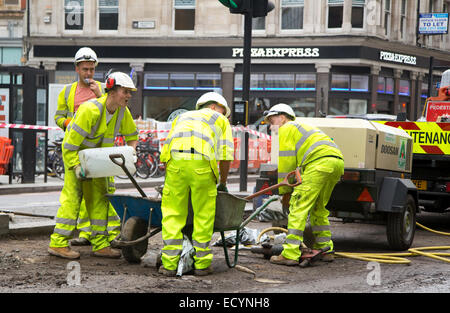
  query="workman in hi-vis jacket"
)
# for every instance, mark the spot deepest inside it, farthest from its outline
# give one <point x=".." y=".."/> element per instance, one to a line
<point x="196" y="141"/>
<point x="321" y="164"/>
<point x="95" y="124"/>
<point x="69" y="99"/>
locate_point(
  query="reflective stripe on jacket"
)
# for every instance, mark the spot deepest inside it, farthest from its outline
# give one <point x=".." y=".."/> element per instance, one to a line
<point x="89" y="129"/>
<point x="300" y="144"/>
<point x="66" y="103"/>
<point x="205" y="133"/>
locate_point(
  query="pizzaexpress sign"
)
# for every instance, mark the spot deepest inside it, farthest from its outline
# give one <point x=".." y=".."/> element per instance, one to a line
<point x="278" y="53"/>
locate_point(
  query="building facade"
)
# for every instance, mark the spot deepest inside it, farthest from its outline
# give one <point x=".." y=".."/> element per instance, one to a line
<point x="319" y="56"/>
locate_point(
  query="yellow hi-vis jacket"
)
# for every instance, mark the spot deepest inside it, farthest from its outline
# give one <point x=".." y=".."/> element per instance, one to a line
<point x="300" y="144"/>
<point x="202" y="133"/>
<point x="66" y="104"/>
<point x="89" y="129"/>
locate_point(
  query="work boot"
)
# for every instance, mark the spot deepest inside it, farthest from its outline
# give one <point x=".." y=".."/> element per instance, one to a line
<point x="81" y="241"/>
<point x="203" y="271"/>
<point x="328" y="257"/>
<point x="165" y="272"/>
<point x="280" y="259"/>
<point x="108" y="252"/>
<point x="63" y="252"/>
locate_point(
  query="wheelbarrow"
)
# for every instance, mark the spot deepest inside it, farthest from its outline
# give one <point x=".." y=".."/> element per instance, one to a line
<point x="141" y="216"/>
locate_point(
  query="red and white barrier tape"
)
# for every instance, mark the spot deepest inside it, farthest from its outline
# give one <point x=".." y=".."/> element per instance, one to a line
<point x="144" y="131"/>
<point x="24" y="126"/>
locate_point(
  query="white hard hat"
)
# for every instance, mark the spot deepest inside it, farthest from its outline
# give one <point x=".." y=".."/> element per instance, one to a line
<point x="213" y="97"/>
<point x="279" y="109"/>
<point x="120" y="79"/>
<point x="86" y="54"/>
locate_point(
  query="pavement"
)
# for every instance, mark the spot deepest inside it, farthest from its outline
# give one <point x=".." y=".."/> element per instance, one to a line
<point x="19" y="225"/>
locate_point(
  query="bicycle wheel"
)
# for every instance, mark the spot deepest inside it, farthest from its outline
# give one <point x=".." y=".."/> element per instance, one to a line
<point x="142" y="169"/>
<point x="152" y="164"/>
<point x="58" y="167"/>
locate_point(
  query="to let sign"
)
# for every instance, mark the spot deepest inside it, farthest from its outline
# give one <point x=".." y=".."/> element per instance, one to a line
<point x="433" y="23"/>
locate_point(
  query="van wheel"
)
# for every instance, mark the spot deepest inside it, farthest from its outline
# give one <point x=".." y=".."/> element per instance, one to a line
<point x="133" y="229"/>
<point x="401" y="226"/>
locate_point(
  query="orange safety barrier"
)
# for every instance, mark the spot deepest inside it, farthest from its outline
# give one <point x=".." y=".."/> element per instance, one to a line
<point x="6" y="152"/>
<point x="258" y="152"/>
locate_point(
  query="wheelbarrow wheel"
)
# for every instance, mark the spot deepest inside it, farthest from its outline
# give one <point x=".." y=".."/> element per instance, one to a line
<point x="134" y="228"/>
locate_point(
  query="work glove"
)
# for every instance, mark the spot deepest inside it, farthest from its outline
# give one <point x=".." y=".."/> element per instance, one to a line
<point x="222" y="187"/>
<point x="79" y="172"/>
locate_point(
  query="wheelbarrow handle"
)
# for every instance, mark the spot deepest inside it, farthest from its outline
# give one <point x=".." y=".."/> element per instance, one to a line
<point x="114" y="158"/>
<point x="285" y="182"/>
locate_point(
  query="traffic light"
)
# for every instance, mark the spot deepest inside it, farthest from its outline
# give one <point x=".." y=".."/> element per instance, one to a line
<point x="262" y="7"/>
<point x="257" y="7"/>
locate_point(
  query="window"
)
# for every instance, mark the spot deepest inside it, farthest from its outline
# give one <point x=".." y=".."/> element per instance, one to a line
<point x="403" y="87"/>
<point x="283" y="81"/>
<point x="73" y="14"/>
<point x="259" y="23"/>
<point x="182" y="81"/>
<point x="11" y="2"/>
<point x="340" y="82"/>
<point x="292" y="14"/>
<point x="381" y="86"/>
<point x="403" y="20"/>
<point x="347" y="106"/>
<point x="278" y="82"/>
<point x="424" y="90"/>
<point x="41" y="103"/>
<point x="389" y="85"/>
<point x="305" y="82"/>
<point x="359" y="83"/>
<point x="184" y="14"/>
<point x="335" y="13"/>
<point x="108" y="14"/>
<point x="387" y="17"/>
<point x="10" y="56"/>
<point x="358" y="13"/>
<point x="346" y="82"/>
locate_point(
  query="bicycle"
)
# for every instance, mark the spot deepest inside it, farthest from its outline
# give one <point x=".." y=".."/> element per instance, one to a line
<point x="55" y="163"/>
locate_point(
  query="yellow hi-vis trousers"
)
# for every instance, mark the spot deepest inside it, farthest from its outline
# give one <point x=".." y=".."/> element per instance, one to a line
<point x="84" y="225"/>
<point x="182" y="177"/>
<point x="310" y="198"/>
<point x="93" y="191"/>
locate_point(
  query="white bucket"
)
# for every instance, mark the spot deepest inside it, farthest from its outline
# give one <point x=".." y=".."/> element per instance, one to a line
<point x="96" y="162"/>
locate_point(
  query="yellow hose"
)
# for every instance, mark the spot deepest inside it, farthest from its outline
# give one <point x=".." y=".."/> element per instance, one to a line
<point x="390" y="258"/>
<point x="433" y="231"/>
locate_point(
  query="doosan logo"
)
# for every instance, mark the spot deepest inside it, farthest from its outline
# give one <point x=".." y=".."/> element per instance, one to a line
<point x="386" y="149"/>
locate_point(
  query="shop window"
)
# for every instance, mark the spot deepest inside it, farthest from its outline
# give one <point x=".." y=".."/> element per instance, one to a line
<point x="424" y="90"/>
<point x="181" y="81"/>
<point x="358" y="13"/>
<point x="359" y="83"/>
<point x="209" y="80"/>
<point x="335" y="13"/>
<point x="184" y="15"/>
<point x="389" y="85"/>
<point x="73" y="14"/>
<point x="347" y="106"/>
<point x="11" y="2"/>
<point x="5" y="78"/>
<point x="108" y="14"/>
<point x="279" y="82"/>
<point x="156" y="81"/>
<point x="256" y="81"/>
<point x="17" y="105"/>
<point x="381" y="86"/>
<point x="292" y="14"/>
<point x="403" y="87"/>
<point x="340" y="82"/>
<point x="41" y="106"/>
<point x="160" y="107"/>
<point x="305" y="82"/>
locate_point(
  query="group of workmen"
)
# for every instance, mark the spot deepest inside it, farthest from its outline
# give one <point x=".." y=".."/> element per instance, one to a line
<point x="197" y="152"/>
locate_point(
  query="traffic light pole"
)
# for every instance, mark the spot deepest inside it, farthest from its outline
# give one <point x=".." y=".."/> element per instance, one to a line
<point x="243" y="167"/>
